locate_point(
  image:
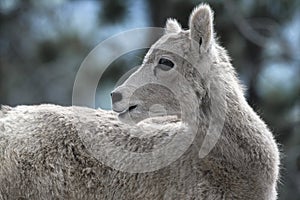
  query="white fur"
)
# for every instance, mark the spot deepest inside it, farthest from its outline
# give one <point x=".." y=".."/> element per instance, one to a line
<point x="43" y="154"/>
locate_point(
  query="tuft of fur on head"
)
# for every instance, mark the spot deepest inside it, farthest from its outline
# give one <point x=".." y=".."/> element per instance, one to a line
<point x="4" y="109"/>
<point x="172" y="26"/>
<point x="201" y="26"/>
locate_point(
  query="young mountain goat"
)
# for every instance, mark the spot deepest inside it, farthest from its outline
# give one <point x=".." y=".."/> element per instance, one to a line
<point x="53" y="152"/>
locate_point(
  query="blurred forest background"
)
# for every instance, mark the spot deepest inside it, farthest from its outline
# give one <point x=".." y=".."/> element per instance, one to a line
<point x="42" y="44"/>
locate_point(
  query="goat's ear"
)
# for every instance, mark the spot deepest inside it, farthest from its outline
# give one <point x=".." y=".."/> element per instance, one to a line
<point x="201" y="27"/>
<point x="172" y="26"/>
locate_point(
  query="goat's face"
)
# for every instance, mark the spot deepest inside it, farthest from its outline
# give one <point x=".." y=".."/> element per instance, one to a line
<point x="170" y="77"/>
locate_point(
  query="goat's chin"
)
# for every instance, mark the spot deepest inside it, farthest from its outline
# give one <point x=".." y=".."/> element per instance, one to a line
<point x="134" y="118"/>
<point x="131" y="118"/>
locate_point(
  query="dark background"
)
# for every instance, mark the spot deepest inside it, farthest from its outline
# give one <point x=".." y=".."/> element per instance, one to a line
<point x="42" y="44"/>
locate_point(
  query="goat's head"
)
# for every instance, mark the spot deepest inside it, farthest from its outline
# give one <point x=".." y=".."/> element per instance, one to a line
<point x="172" y="74"/>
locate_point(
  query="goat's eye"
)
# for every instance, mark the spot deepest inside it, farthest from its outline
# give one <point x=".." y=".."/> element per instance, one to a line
<point x="165" y="64"/>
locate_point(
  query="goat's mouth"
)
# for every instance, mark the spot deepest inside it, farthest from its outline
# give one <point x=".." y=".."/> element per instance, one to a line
<point x="129" y="109"/>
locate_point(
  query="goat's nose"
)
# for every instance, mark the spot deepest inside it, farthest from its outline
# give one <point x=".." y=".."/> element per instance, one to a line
<point x="116" y="96"/>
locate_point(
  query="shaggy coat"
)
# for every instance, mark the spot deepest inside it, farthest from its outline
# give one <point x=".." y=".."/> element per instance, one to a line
<point x="52" y="152"/>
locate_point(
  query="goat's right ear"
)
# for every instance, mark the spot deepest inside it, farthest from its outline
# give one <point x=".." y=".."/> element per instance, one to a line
<point x="201" y="27"/>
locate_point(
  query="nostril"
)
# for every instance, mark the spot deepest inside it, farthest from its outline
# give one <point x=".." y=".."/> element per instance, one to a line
<point x="116" y="96"/>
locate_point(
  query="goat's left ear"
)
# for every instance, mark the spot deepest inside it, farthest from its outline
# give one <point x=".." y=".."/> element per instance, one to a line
<point x="201" y="27"/>
<point x="172" y="26"/>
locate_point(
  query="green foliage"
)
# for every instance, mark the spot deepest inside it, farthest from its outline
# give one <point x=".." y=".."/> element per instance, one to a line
<point x="113" y="11"/>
